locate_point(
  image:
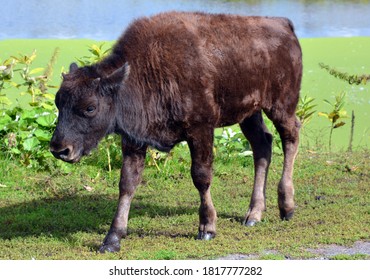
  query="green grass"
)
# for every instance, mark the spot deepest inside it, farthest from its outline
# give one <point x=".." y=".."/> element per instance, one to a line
<point x="51" y="215"/>
<point x="349" y="257"/>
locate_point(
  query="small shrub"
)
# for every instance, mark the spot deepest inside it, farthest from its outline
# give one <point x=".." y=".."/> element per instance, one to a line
<point x="231" y="143"/>
<point x="336" y="115"/>
<point x="305" y="109"/>
<point x="25" y="131"/>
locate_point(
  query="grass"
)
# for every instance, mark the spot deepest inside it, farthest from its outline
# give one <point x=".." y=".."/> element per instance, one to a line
<point x="349" y="257"/>
<point x="51" y="215"/>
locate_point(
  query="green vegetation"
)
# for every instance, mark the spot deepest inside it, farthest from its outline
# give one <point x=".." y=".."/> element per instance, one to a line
<point x="56" y="215"/>
<point x="51" y="210"/>
<point x="351" y="79"/>
<point x="347" y="55"/>
<point x="349" y="257"/>
<point x="25" y="131"/>
<point x="336" y="115"/>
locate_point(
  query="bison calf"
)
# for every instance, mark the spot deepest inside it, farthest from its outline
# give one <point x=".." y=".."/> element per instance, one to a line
<point x="176" y="77"/>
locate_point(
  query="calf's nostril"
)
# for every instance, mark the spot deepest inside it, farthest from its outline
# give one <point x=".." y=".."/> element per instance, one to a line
<point x="64" y="153"/>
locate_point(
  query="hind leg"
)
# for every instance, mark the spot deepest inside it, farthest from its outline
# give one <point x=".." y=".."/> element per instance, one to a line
<point x="288" y="128"/>
<point x="260" y="139"/>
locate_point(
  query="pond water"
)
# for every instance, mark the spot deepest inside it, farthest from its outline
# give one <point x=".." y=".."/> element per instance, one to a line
<point x="105" y="20"/>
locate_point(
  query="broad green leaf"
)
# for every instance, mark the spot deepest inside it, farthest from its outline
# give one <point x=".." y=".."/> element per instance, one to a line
<point x="30" y="143"/>
<point x="47" y="106"/>
<point x="4" y="121"/>
<point x="34" y="104"/>
<point x="5" y="100"/>
<point x="16" y="151"/>
<point x="46" y="120"/>
<point x="5" y="118"/>
<point x="23" y="134"/>
<point x="42" y="135"/>
<point x="29" y="114"/>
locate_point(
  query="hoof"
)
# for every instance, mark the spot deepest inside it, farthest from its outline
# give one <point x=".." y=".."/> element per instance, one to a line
<point x="205" y="235"/>
<point x="110" y="248"/>
<point x="250" y="223"/>
<point x="111" y="243"/>
<point x="286" y="215"/>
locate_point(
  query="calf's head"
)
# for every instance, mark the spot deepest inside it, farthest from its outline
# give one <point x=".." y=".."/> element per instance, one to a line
<point x="87" y="110"/>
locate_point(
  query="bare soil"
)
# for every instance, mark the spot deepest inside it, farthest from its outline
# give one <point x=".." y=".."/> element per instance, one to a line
<point x="323" y="253"/>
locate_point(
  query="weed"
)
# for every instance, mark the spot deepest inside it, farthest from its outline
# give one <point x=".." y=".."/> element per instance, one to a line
<point x="25" y="132"/>
<point x="338" y="112"/>
<point x="231" y="143"/>
<point x="305" y="109"/>
<point x="97" y="53"/>
<point x="336" y="115"/>
<point x="350" y="78"/>
<point x="6" y="75"/>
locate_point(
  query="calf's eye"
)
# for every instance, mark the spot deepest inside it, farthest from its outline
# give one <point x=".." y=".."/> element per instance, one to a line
<point x="90" y="109"/>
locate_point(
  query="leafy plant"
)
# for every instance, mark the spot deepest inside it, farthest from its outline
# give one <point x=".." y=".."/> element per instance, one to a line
<point x="231" y="143"/>
<point x="350" y="78"/>
<point x="97" y="53"/>
<point x="6" y="75"/>
<point x="36" y="85"/>
<point x="25" y="132"/>
<point x="337" y="112"/>
<point x="305" y="109"/>
<point x="336" y="115"/>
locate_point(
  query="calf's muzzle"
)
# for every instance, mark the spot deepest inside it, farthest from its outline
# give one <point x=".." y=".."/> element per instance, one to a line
<point x="66" y="153"/>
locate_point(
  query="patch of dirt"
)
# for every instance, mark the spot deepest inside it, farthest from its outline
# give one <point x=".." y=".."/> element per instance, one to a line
<point x="323" y="253"/>
<point x="359" y="247"/>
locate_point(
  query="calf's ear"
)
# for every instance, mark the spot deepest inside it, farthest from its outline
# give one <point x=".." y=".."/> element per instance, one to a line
<point x="119" y="76"/>
<point x="114" y="81"/>
<point x="73" y="67"/>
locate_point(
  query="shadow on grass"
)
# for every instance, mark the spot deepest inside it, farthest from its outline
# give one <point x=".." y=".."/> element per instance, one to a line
<point x="62" y="217"/>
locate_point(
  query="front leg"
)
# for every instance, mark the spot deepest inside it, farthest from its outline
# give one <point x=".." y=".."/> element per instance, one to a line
<point x="132" y="167"/>
<point x="201" y="148"/>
